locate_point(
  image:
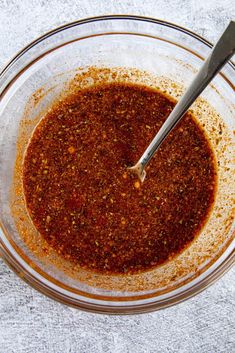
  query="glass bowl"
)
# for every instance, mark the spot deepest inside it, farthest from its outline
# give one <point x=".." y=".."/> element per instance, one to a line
<point x="124" y="48"/>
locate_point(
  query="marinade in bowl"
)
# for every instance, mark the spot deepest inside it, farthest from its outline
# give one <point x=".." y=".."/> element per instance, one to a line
<point x="74" y="116"/>
<point x="84" y="202"/>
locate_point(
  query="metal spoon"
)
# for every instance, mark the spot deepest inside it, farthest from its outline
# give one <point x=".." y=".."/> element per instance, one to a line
<point x="221" y="53"/>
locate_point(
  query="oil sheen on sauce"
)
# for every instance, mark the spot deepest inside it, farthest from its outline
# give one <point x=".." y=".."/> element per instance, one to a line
<point x="84" y="202"/>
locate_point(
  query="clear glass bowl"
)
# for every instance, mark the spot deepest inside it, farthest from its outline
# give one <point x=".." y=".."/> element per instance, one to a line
<point x="164" y="54"/>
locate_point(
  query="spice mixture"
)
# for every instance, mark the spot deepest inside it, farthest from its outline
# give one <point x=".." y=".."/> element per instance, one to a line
<point x="85" y="203"/>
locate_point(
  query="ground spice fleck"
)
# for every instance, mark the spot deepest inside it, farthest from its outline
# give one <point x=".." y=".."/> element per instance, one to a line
<point x="71" y="149"/>
<point x="81" y="198"/>
<point x="137" y="184"/>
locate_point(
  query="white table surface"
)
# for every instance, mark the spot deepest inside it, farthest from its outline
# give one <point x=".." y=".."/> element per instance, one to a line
<point x="32" y="323"/>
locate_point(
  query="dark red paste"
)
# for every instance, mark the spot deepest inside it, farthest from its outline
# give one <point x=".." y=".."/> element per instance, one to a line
<point x="84" y="202"/>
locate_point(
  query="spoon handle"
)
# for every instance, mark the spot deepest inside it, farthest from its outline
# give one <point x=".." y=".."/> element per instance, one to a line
<point x="221" y="53"/>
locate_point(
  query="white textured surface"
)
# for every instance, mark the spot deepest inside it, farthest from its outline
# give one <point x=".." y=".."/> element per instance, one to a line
<point x="32" y="323"/>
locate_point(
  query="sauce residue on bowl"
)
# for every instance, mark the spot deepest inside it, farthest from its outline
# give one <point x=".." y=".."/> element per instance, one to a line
<point x="83" y="201"/>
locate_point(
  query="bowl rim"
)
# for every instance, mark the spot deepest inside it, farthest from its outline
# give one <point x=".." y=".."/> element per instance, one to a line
<point x="103" y="308"/>
<point x="67" y="25"/>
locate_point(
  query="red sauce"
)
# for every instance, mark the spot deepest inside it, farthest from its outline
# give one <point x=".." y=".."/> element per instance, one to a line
<point x="84" y="202"/>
